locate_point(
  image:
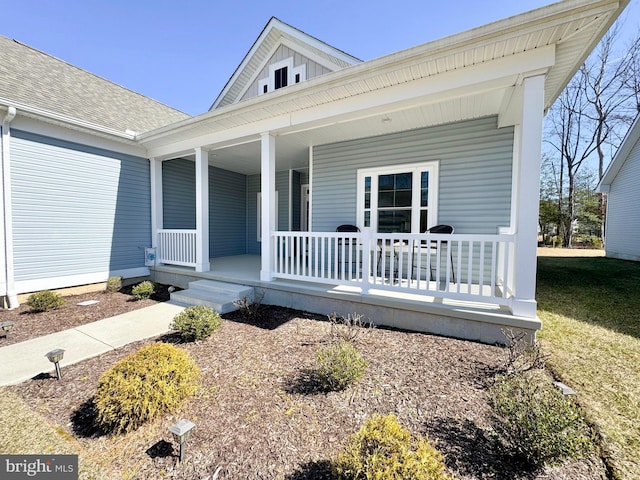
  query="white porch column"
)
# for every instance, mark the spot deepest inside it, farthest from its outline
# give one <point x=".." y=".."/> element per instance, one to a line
<point x="268" y="203"/>
<point x="202" y="210"/>
<point x="527" y="159"/>
<point x="156" y="202"/>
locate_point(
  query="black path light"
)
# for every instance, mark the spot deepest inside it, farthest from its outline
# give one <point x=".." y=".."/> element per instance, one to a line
<point x="54" y="357"/>
<point x="181" y="432"/>
<point x="5" y="328"/>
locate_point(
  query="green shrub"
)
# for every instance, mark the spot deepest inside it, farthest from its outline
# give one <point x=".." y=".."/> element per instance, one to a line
<point x="339" y="365"/>
<point x="143" y="290"/>
<point x="44" y="301"/>
<point x="383" y="449"/>
<point x="154" y="380"/>
<point x="196" y="323"/>
<point x="114" y="284"/>
<point x="535" y="422"/>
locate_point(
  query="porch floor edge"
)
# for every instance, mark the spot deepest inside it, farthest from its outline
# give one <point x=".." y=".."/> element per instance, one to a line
<point x="472" y="321"/>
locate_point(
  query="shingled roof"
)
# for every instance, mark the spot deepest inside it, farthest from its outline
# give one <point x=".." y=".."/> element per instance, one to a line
<point x="31" y="77"/>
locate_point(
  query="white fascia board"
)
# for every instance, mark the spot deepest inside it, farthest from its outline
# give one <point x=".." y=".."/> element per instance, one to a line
<point x="500" y="73"/>
<point x="67" y="121"/>
<point x="631" y="138"/>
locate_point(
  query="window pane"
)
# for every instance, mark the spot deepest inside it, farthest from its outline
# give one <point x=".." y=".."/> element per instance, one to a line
<point x="385" y="199"/>
<point x="403" y="198"/>
<point x="392" y="221"/>
<point x="424" y="180"/>
<point x="367" y="200"/>
<point x="424" y="198"/>
<point x="281" y="77"/>
<point x="424" y="189"/>
<point x="423" y="221"/>
<point x="385" y="182"/>
<point x="367" y="219"/>
<point x="403" y="181"/>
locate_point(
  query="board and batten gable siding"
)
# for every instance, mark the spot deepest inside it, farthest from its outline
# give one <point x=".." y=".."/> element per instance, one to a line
<point x="475" y="163"/>
<point x="78" y="211"/>
<point x="227" y="205"/>
<point x="283" y="52"/>
<point x="623" y="212"/>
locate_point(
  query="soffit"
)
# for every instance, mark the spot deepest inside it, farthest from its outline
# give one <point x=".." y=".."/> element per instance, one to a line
<point x="572" y="28"/>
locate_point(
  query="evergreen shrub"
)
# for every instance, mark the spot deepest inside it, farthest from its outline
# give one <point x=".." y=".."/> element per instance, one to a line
<point x="152" y="381"/>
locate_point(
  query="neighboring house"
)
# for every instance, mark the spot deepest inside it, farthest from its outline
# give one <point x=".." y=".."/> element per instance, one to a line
<point x="621" y="183"/>
<point x="302" y="139"/>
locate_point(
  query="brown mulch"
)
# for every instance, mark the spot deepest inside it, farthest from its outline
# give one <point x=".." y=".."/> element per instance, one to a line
<point x="260" y="413"/>
<point x="70" y="315"/>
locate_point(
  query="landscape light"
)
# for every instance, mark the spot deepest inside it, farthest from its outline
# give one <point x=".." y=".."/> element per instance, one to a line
<point x="5" y="327"/>
<point x="54" y="357"/>
<point x="181" y="432"/>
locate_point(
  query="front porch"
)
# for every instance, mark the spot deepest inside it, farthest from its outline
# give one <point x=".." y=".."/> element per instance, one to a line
<point x="394" y="303"/>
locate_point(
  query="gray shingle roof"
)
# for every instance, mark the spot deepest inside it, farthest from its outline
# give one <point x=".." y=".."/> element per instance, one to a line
<point x="33" y="78"/>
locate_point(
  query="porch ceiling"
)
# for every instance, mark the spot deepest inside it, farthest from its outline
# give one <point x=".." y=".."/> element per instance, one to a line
<point x="468" y="75"/>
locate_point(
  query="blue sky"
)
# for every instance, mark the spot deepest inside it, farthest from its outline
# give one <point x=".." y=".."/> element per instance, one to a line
<point x="183" y="53"/>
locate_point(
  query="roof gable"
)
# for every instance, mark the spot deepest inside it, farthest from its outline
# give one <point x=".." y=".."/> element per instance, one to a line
<point x="31" y="78"/>
<point x="275" y="36"/>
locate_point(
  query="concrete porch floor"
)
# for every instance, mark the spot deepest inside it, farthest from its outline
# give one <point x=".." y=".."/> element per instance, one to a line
<point x="469" y="320"/>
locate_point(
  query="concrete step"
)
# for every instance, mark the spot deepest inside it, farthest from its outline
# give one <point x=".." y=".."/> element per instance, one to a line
<point x="219" y="296"/>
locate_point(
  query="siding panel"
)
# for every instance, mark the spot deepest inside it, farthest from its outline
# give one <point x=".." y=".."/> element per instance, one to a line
<point x="623" y="215"/>
<point x="475" y="173"/>
<point x="76" y="209"/>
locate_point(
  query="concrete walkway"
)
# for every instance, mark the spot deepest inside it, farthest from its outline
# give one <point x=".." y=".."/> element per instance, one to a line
<point x="24" y="360"/>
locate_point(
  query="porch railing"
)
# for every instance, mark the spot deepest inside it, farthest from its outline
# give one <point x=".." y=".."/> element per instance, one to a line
<point x="177" y="247"/>
<point x="465" y="267"/>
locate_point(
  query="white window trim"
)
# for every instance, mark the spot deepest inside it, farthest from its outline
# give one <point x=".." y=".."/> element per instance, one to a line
<point x="270" y="83"/>
<point x="432" y="167"/>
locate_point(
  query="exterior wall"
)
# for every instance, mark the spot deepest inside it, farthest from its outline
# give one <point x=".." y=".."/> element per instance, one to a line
<point x="475" y="161"/>
<point x="227" y="205"/>
<point x="623" y="216"/>
<point x="313" y="69"/>
<point x="253" y="187"/>
<point x="80" y="213"/>
<point x="227" y="210"/>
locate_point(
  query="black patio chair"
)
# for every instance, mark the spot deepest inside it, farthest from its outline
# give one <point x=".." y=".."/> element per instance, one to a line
<point x="431" y="247"/>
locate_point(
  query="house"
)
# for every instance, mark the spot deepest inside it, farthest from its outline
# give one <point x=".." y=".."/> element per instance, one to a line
<point x="302" y="139"/>
<point x="620" y="183"/>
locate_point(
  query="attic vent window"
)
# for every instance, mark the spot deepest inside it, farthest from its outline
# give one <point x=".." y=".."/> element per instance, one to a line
<point x="281" y="74"/>
<point x="281" y="77"/>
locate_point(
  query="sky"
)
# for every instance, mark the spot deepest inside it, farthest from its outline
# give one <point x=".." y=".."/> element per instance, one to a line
<point x="182" y="53"/>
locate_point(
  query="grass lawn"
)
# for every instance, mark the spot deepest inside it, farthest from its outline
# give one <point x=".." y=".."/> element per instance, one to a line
<point x="590" y="310"/>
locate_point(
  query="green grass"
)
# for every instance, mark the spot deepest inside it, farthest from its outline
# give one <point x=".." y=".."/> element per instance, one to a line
<point x="590" y="311"/>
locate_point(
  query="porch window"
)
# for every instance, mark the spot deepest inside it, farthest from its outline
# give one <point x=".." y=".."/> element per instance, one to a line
<point x="399" y="199"/>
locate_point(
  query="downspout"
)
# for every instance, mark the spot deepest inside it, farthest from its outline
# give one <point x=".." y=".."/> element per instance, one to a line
<point x="12" y="297"/>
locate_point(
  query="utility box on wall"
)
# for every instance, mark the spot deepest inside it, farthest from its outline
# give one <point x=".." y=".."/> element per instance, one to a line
<point x="150" y="257"/>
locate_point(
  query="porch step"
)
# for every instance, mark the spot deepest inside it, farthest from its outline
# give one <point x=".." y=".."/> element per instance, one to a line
<point x="217" y="295"/>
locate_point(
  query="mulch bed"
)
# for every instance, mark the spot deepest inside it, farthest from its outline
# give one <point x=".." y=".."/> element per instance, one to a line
<point x="260" y="413"/>
<point x="70" y="315"/>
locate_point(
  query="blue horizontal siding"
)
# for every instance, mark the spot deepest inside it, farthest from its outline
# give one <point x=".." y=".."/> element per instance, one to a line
<point x="76" y="209"/>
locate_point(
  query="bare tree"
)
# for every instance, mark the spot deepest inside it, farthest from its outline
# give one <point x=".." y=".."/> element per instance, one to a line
<point x="589" y="116"/>
<point x="610" y="85"/>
